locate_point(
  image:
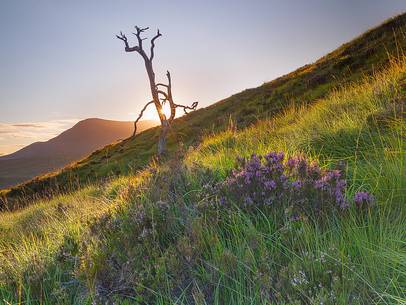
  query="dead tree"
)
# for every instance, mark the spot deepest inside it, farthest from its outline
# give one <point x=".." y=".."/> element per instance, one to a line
<point x="161" y="93"/>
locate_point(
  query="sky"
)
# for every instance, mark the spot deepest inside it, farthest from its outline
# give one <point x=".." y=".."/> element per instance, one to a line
<point x="60" y="61"/>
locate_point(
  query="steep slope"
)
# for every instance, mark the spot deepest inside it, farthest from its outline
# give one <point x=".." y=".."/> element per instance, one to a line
<point x="175" y="233"/>
<point x="362" y="56"/>
<point x="73" y="144"/>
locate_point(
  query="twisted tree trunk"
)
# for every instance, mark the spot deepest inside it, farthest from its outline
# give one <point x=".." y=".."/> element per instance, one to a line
<point x="155" y="91"/>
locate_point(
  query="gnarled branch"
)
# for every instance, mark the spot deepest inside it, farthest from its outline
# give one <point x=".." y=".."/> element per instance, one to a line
<point x="185" y="108"/>
<point x="158" y="34"/>
<point x="140" y="116"/>
<point x="164" y="94"/>
<point x="137" y="48"/>
<point x="127" y="47"/>
<point x="138" y="35"/>
<point x="162" y="85"/>
<point x="168" y="97"/>
<point x="123" y="38"/>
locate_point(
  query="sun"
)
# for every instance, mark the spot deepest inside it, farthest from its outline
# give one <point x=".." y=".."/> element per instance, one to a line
<point x="151" y="114"/>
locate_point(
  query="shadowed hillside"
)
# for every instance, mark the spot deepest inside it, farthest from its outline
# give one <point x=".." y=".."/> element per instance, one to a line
<point x="73" y="144"/>
<point x="364" y="55"/>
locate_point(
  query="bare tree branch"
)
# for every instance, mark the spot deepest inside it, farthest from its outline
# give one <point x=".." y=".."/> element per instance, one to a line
<point x="123" y="38"/>
<point x="138" y="35"/>
<point x="127" y="47"/>
<point x="163" y="85"/>
<point x="164" y="94"/>
<point x="158" y="34"/>
<point x="185" y="108"/>
<point x="140" y="116"/>
<point x="170" y="98"/>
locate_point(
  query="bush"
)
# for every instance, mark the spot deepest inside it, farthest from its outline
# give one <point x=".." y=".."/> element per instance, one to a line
<point x="303" y="186"/>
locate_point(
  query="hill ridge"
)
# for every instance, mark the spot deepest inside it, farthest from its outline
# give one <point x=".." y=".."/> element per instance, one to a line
<point x="72" y="144"/>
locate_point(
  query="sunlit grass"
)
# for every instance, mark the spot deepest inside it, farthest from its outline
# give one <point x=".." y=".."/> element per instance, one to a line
<point x="147" y="239"/>
<point x="343" y="126"/>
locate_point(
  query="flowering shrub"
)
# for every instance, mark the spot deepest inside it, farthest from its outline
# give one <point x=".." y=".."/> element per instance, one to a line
<point x="363" y="200"/>
<point x="269" y="180"/>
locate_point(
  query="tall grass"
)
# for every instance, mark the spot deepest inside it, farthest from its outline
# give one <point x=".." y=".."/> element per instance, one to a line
<point x="363" y="124"/>
<point x="155" y="239"/>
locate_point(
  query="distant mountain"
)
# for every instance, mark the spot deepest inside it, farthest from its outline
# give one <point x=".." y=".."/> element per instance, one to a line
<point x="71" y="145"/>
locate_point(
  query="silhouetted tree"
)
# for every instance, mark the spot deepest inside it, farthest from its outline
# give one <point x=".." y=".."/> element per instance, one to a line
<point x="161" y="93"/>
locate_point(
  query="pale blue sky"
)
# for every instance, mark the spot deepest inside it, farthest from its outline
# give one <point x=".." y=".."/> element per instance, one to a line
<point x="59" y="60"/>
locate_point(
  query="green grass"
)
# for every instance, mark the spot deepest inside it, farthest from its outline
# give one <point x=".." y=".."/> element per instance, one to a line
<point x="362" y="124"/>
<point x="155" y="237"/>
<point x="351" y="62"/>
<point x="39" y="244"/>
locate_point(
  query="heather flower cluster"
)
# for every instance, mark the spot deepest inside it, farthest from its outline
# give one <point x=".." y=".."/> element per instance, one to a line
<point x="269" y="180"/>
<point x="363" y="200"/>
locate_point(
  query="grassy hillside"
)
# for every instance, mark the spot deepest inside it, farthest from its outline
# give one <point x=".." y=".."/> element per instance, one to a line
<point x="182" y="232"/>
<point x="365" y="54"/>
<point x="163" y="236"/>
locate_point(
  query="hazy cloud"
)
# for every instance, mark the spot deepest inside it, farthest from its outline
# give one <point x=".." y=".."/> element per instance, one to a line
<point x="28" y="125"/>
<point x="17" y="135"/>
